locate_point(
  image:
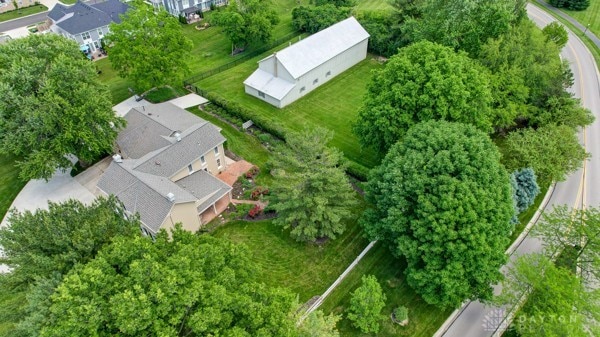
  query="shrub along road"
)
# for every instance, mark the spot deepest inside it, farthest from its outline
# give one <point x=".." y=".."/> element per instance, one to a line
<point x="475" y="319"/>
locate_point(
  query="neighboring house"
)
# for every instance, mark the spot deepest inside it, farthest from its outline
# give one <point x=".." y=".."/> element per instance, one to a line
<point x="298" y="69"/>
<point x="186" y="7"/>
<point x="86" y="23"/>
<point x="165" y="167"/>
<point x="9" y="5"/>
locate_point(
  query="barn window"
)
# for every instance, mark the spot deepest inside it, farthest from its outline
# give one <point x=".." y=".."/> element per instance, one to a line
<point x="328" y="73"/>
<point x="316" y="81"/>
<point x="261" y="94"/>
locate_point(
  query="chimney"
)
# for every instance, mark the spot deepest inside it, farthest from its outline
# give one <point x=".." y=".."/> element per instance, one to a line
<point x="117" y="158"/>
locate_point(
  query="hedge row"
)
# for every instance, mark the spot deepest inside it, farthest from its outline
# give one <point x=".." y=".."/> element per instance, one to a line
<point x="244" y="114"/>
<point x="235" y="110"/>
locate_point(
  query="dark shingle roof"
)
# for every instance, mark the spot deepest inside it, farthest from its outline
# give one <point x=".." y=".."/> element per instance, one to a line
<point x="205" y="187"/>
<point x="82" y="17"/>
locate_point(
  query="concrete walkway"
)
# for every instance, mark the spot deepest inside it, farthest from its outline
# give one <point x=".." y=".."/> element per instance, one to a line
<point x="189" y="100"/>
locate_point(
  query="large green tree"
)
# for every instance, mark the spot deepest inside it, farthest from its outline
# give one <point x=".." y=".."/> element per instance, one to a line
<point x="311" y="192"/>
<point x="576" y="233"/>
<point x="147" y="47"/>
<point x="423" y="81"/>
<point x="442" y="200"/>
<point x="40" y="244"/>
<point x="247" y="21"/>
<point x="52" y="105"/>
<point x="366" y="304"/>
<point x="551" y="151"/>
<point x="529" y="80"/>
<point x="319" y="325"/>
<point x="558" y="303"/>
<point x="183" y="285"/>
<point x="313" y="19"/>
<point x="464" y="24"/>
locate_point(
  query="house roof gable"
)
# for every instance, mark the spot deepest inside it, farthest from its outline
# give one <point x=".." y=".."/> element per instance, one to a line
<point x="82" y="17"/>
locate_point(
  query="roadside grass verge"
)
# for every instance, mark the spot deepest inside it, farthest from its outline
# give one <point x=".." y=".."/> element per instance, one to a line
<point x="589" y="16"/>
<point x="23" y="11"/>
<point x="334" y="105"/>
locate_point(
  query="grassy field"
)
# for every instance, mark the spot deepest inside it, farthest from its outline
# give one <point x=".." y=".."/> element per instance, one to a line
<point x="21" y="12"/>
<point x="211" y="49"/>
<point x="590" y="16"/>
<point x="333" y="105"/>
<point x="373" y="5"/>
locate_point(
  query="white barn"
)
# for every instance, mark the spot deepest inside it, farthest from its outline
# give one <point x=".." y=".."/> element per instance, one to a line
<point x="295" y="71"/>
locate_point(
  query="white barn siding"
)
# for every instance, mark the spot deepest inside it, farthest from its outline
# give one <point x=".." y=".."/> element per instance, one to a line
<point x="297" y="70"/>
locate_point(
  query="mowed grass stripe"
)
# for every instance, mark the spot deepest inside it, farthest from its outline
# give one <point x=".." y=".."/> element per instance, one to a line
<point x="334" y="105"/>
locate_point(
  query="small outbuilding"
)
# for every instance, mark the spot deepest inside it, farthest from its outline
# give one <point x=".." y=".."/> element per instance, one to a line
<point x="300" y="68"/>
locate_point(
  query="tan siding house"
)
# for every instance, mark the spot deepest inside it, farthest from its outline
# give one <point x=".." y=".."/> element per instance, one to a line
<point x="164" y="168"/>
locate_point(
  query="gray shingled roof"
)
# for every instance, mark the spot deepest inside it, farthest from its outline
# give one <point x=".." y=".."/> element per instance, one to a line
<point x="136" y="196"/>
<point x="141" y="184"/>
<point x="82" y="17"/>
<point x="195" y="142"/>
<point x="152" y="127"/>
<point x="205" y="187"/>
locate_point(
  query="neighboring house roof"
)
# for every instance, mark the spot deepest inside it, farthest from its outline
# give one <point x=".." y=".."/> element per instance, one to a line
<point x="82" y="17"/>
<point x="300" y="58"/>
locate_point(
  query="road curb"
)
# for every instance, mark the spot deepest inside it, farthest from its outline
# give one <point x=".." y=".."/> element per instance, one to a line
<point x="450" y="320"/>
<point x="26" y="16"/>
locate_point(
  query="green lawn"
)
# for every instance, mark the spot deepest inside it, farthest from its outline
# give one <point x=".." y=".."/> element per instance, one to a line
<point x="589" y="16"/>
<point x="10" y="184"/>
<point x="373" y="5"/>
<point x="333" y="105"/>
<point x="424" y="319"/>
<point x="306" y="269"/>
<point x="21" y="12"/>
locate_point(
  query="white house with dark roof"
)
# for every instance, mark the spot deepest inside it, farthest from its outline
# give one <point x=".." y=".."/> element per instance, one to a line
<point x="298" y="69"/>
<point x="86" y="23"/>
<point x="164" y="168"/>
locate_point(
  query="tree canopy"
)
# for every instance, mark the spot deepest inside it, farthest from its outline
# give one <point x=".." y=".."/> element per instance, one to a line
<point x="424" y="81"/>
<point x="147" y="47"/>
<point x="37" y="245"/>
<point x="247" y="21"/>
<point x="442" y="200"/>
<point x="311" y="192"/>
<point x="186" y="285"/>
<point x="366" y="304"/>
<point x="319" y="325"/>
<point x="524" y="188"/>
<point x="464" y="24"/>
<point x="551" y="151"/>
<point x="558" y="303"/>
<point x="52" y="105"/>
<point x="577" y="5"/>
<point x="313" y="19"/>
<point x="556" y="33"/>
<point x="574" y="232"/>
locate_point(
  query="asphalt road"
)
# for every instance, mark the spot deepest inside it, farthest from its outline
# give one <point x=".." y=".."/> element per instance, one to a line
<point x="22" y="22"/>
<point x="478" y="320"/>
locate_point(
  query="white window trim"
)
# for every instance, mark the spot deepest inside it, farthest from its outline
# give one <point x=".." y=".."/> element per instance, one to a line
<point x="219" y="165"/>
<point x="202" y="160"/>
<point x="190" y="169"/>
<point x="216" y="150"/>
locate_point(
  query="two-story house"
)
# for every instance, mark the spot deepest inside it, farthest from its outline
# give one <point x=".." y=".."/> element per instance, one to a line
<point x="86" y="23"/>
<point x="186" y="7"/>
<point x="164" y="168"/>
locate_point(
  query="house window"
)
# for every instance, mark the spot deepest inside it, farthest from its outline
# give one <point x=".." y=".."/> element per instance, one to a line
<point x="190" y="169"/>
<point x="202" y="160"/>
<point x="100" y="32"/>
<point x="302" y="89"/>
<point x="216" y="150"/>
<point x="219" y="163"/>
<point x="261" y="94"/>
<point x="316" y="81"/>
<point x="86" y="36"/>
<point x="328" y="73"/>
